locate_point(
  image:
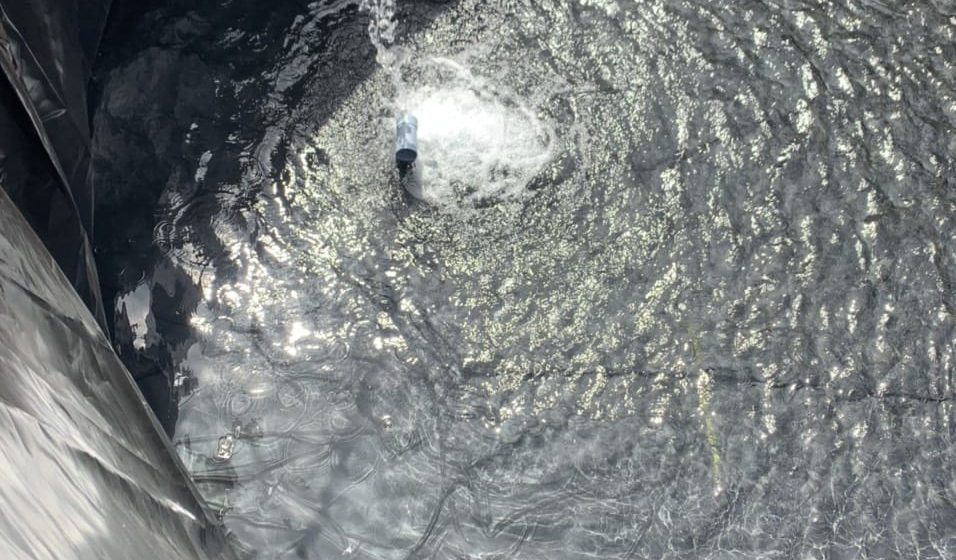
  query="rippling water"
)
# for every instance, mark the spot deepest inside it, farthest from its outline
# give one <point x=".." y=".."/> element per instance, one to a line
<point x="684" y="286"/>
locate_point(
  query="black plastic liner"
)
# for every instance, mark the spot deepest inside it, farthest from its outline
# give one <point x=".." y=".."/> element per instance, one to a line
<point x="87" y="471"/>
<point x="46" y="53"/>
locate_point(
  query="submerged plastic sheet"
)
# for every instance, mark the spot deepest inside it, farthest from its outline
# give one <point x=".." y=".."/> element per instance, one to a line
<point x="46" y="54"/>
<point x="84" y="469"/>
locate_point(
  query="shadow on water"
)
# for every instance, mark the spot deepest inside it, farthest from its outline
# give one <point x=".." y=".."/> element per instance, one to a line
<point x="180" y="92"/>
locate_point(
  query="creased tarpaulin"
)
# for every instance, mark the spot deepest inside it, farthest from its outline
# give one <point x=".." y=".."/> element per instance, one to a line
<point x="46" y="53"/>
<point x="85" y="471"/>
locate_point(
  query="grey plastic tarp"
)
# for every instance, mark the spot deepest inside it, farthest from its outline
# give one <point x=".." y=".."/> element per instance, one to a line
<point x="85" y="471"/>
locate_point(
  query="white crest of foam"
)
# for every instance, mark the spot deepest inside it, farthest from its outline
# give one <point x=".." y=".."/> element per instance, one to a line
<point x="476" y="142"/>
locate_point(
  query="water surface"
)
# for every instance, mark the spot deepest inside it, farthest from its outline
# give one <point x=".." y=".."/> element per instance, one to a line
<point x="684" y="286"/>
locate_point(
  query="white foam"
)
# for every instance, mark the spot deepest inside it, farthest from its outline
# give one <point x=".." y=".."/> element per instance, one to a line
<point x="476" y="142"/>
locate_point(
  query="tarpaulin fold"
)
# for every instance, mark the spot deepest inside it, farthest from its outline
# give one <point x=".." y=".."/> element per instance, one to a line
<point x="47" y="49"/>
<point x="85" y="470"/>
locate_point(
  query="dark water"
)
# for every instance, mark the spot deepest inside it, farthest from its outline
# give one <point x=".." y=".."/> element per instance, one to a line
<point x="684" y="287"/>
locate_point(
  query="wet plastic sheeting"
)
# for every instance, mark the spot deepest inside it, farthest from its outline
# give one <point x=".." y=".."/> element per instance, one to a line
<point x="46" y="54"/>
<point x="84" y="470"/>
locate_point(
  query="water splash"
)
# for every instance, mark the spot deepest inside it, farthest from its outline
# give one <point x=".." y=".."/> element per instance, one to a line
<point x="381" y="30"/>
<point x="478" y="142"/>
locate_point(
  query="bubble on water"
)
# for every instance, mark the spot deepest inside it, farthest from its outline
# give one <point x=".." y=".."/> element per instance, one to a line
<point x="478" y="143"/>
<point x="225" y="448"/>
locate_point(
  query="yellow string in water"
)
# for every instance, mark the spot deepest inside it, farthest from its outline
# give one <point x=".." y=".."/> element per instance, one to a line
<point x="704" y="393"/>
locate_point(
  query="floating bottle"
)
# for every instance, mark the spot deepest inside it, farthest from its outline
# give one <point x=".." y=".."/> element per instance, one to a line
<point x="406" y="141"/>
